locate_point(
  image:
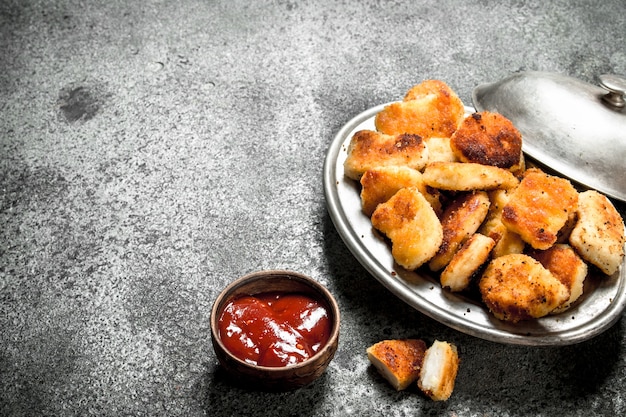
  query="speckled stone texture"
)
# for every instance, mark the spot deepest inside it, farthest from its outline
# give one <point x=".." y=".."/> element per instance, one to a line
<point x="151" y="152"/>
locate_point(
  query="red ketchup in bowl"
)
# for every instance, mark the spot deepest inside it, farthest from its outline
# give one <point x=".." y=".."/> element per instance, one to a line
<point x="274" y="329"/>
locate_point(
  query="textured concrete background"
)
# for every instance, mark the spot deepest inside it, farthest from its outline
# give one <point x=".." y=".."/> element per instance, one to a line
<point x="153" y="151"/>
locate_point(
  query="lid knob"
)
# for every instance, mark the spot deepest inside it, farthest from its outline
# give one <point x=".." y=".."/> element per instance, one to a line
<point x="616" y="86"/>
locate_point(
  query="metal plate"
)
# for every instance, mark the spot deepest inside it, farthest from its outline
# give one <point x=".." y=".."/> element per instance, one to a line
<point x="599" y="307"/>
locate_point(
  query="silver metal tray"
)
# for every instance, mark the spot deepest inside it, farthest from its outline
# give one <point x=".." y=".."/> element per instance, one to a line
<point x="599" y="307"/>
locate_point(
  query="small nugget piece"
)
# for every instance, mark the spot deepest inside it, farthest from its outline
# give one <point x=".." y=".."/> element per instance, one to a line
<point x="567" y="267"/>
<point x="412" y="225"/>
<point x="506" y="240"/>
<point x="517" y="287"/>
<point x="380" y="184"/>
<point x="429" y="109"/>
<point x="466" y="262"/>
<point x="398" y="361"/>
<point x="467" y="176"/>
<point x="439" y="370"/>
<point x="369" y="149"/>
<point x="539" y="207"/>
<point x="459" y="221"/>
<point x="598" y="235"/>
<point x="489" y="139"/>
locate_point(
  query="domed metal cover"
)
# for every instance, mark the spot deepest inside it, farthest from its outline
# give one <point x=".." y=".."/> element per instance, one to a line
<point x="575" y="128"/>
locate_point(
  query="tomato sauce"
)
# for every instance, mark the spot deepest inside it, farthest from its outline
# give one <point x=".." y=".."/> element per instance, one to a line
<point x="274" y="329"/>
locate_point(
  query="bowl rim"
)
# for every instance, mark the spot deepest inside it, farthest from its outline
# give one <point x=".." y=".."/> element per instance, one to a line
<point x="321" y="289"/>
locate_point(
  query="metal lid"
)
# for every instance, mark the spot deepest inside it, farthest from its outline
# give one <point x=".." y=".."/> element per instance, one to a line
<point x="575" y="128"/>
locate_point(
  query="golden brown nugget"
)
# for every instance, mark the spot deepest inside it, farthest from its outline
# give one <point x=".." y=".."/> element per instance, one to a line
<point x="467" y="176"/>
<point x="439" y="371"/>
<point x="459" y="221"/>
<point x="380" y="184"/>
<point x="412" y="225"/>
<point x="369" y="149"/>
<point x="428" y="109"/>
<point x="598" y="235"/>
<point x="489" y="139"/>
<point x="458" y="274"/>
<point x="539" y="207"/>
<point x="399" y="361"/>
<point x="567" y="267"/>
<point x="517" y="287"/>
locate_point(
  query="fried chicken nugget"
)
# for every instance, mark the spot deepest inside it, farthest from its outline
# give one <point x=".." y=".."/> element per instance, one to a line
<point x="539" y="208"/>
<point x="399" y="361"/>
<point x="439" y="371"/>
<point x="517" y="287"/>
<point x="598" y="235"/>
<point x="467" y="176"/>
<point x="459" y="221"/>
<point x="380" y="184"/>
<point x="428" y="109"/>
<point x="489" y="139"/>
<point x="567" y="267"/>
<point x="369" y="149"/>
<point x="506" y="240"/>
<point x="458" y="274"/>
<point x="412" y="225"/>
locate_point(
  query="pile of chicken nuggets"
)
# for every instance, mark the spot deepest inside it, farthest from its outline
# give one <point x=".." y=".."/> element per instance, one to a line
<point x="453" y="194"/>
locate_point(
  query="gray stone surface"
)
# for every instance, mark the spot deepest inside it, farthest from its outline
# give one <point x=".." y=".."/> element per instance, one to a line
<point x="151" y="152"/>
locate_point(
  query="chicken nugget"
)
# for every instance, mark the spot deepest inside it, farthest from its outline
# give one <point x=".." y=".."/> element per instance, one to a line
<point x="439" y="371"/>
<point x="428" y="109"/>
<point x="489" y="139"/>
<point x="369" y="149"/>
<point x="461" y="176"/>
<point x="466" y="262"/>
<point x="517" y="287"/>
<point x="539" y="207"/>
<point x="598" y="235"/>
<point x="412" y="225"/>
<point x="506" y="240"/>
<point x="399" y="361"/>
<point x="567" y="267"/>
<point x="380" y="184"/>
<point x="459" y="221"/>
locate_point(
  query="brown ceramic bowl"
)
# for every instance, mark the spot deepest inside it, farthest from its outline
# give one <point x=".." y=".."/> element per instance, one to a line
<point x="281" y="378"/>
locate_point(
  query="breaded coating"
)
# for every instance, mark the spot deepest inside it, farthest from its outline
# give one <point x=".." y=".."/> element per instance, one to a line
<point x="598" y="235"/>
<point x="539" y="207"/>
<point x="517" y="287"/>
<point x="369" y="149"/>
<point x="506" y="240"/>
<point x="461" y="176"/>
<point x="412" y="225"/>
<point x="399" y="361"/>
<point x="380" y="184"/>
<point x="466" y="262"/>
<point x="439" y="370"/>
<point x="567" y="267"/>
<point x="439" y="150"/>
<point x="489" y="139"/>
<point x="459" y="221"/>
<point x="429" y="109"/>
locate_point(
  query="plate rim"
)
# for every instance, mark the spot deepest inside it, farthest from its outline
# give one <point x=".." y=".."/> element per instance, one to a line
<point x="400" y="289"/>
